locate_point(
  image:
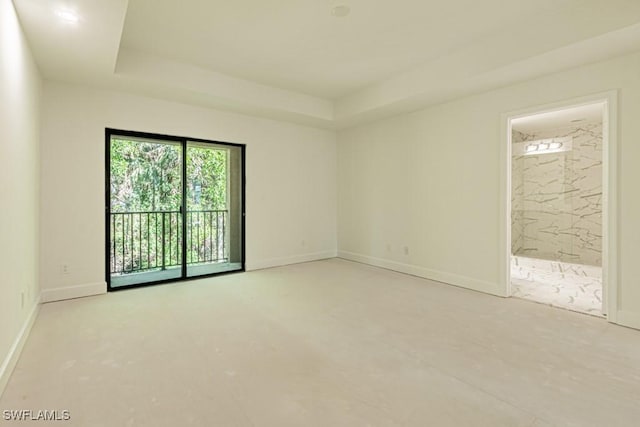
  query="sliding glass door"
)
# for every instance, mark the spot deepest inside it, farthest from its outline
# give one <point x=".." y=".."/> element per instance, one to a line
<point x="175" y="208"/>
<point x="214" y="208"/>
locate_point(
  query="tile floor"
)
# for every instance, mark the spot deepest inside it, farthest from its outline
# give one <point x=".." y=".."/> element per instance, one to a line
<point x="327" y="343"/>
<point x="571" y="286"/>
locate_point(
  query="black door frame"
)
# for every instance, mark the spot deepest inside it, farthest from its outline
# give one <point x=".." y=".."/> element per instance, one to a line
<point x="109" y="132"/>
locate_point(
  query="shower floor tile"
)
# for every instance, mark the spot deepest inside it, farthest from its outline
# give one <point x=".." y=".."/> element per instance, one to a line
<point x="571" y="286"/>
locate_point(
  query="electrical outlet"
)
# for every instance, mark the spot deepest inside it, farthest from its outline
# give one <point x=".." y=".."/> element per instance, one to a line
<point x="65" y="269"/>
<point x="406" y="250"/>
<point x="303" y="243"/>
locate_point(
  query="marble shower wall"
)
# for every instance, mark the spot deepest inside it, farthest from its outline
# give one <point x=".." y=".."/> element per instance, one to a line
<point x="557" y="198"/>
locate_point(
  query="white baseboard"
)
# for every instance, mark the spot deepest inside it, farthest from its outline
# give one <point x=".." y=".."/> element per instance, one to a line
<point x="70" y="292"/>
<point x="426" y="273"/>
<point x="295" y="259"/>
<point x="10" y="361"/>
<point x="628" y="319"/>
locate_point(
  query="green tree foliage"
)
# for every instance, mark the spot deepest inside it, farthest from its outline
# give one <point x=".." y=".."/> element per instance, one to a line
<point x="147" y="177"/>
<point x="207" y="179"/>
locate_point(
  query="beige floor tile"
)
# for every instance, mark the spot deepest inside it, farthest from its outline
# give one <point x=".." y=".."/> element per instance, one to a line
<point x="324" y="343"/>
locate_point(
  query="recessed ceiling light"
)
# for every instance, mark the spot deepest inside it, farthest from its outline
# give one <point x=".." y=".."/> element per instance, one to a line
<point x="340" y="10"/>
<point x="68" y="16"/>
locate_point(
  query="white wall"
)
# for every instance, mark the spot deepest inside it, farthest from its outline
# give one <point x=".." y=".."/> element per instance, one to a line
<point x="430" y="180"/>
<point x="290" y="189"/>
<point x="19" y="193"/>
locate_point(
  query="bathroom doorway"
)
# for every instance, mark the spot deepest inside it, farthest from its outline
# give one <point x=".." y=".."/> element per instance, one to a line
<point x="557" y="192"/>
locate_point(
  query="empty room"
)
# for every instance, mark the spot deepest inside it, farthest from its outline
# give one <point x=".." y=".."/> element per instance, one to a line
<point x="319" y="213"/>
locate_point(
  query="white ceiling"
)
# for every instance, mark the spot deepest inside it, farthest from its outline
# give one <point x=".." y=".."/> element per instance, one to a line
<point x="291" y="60"/>
<point x="298" y="45"/>
<point x="574" y="116"/>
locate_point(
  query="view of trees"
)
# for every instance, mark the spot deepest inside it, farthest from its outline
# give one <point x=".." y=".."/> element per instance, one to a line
<point x="146" y="176"/>
<point x="207" y="175"/>
<point x="146" y="196"/>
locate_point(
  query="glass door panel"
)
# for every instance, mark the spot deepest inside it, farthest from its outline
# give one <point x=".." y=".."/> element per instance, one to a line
<point x="145" y="210"/>
<point x="213" y="208"/>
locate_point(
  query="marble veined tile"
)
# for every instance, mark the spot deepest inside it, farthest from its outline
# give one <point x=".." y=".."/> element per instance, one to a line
<point x="557" y="198"/>
<point x="572" y="286"/>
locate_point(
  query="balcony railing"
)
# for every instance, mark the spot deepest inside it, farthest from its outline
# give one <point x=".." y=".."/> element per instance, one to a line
<point x="143" y="241"/>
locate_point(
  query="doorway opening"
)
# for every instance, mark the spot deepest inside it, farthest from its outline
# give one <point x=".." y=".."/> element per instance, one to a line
<point x="558" y="246"/>
<point x="174" y="208"/>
